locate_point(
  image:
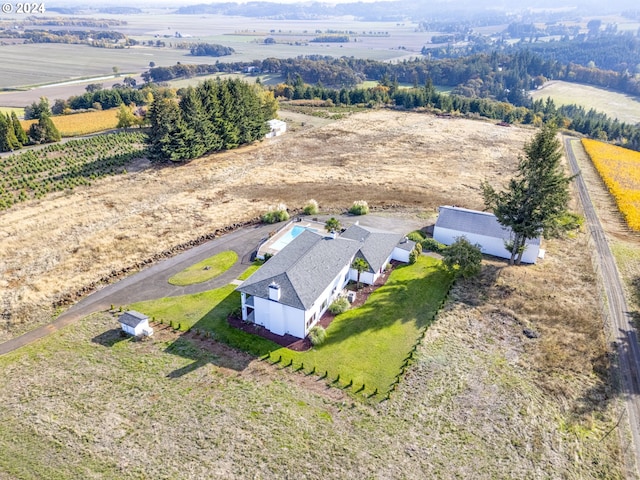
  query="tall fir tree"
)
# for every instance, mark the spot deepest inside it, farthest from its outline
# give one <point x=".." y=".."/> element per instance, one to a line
<point x="21" y="135"/>
<point x="536" y="198"/>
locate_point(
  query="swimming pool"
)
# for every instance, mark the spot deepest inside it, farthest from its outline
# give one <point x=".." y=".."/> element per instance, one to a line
<point x="288" y="236"/>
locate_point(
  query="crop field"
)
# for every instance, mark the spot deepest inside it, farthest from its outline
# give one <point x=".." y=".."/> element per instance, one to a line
<point x="83" y="123"/>
<point x="8" y="110"/>
<point x="616" y="105"/>
<point x="38" y="64"/>
<point x="620" y="171"/>
<point x="58" y="167"/>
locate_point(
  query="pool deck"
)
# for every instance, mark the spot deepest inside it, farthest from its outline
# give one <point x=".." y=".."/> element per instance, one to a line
<point x="268" y="246"/>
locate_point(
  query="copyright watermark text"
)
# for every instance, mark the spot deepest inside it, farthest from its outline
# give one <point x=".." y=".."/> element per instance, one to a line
<point x="27" y="8"/>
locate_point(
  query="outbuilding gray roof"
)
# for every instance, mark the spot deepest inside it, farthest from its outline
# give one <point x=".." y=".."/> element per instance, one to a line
<point x="132" y="318"/>
<point x="376" y="245"/>
<point x="302" y="269"/>
<point x="475" y="222"/>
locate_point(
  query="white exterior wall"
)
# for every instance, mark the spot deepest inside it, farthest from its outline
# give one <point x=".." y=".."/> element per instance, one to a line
<point x="490" y="245"/>
<point x="365" y="277"/>
<point x="329" y="295"/>
<point x="138" y="330"/>
<point x="400" y="255"/>
<point x="279" y="318"/>
<point x="283" y="319"/>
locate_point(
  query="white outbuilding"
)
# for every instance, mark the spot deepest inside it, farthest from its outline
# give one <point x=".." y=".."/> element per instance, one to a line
<point x="135" y="323"/>
<point x="482" y="228"/>
<point x="276" y="128"/>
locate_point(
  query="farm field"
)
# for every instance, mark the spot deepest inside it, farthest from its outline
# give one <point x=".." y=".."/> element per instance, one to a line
<point x="37" y="64"/>
<point x="615" y="105"/>
<point x="481" y="400"/>
<point x="63" y="166"/>
<point x="84" y="123"/>
<point x="620" y="171"/>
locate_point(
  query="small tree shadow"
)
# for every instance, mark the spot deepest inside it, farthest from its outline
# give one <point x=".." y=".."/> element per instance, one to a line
<point x="110" y="337"/>
<point x="187" y="368"/>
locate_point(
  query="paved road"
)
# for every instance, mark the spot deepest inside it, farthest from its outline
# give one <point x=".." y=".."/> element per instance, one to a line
<point x="623" y="333"/>
<point x="151" y="283"/>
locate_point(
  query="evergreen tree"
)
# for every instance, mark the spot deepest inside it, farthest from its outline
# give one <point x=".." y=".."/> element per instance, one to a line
<point x="165" y="119"/>
<point x="197" y="127"/>
<point x="21" y="135"/>
<point x="536" y="198"/>
<point x="8" y="140"/>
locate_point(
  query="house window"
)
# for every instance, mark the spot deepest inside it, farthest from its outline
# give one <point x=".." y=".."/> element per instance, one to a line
<point x="311" y="320"/>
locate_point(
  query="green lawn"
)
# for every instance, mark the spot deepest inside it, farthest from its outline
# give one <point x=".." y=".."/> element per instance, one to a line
<point x="206" y="269"/>
<point x="207" y="311"/>
<point x="249" y="271"/>
<point x="369" y="344"/>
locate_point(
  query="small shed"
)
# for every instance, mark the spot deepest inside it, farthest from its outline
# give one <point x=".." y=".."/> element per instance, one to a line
<point x="135" y="323"/>
<point x="276" y="128"/>
<point x="482" y="228"/>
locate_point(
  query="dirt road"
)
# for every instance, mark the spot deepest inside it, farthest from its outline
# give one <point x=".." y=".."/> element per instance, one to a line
<point x="622" y="332"/>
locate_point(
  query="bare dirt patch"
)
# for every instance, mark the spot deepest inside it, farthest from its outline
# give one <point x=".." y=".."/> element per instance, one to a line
<point x="59" y="244"/>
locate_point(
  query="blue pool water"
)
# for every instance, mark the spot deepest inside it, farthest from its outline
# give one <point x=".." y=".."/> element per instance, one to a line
<point x="288" y="237"/>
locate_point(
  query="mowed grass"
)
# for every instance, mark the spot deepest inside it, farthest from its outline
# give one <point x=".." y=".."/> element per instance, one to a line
<point x="206" y="311"/>
<point x="81" y="123"/>
<point x="205" y="270"/>
<point x="620" y="170"/>
<point x="368" y="345"/>
<point x="616" y="105"/>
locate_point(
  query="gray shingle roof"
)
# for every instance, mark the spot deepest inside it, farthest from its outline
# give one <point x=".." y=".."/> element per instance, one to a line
<point x="474" y="222"/>
<point x="377" y="245"/>
<point x="303" y="269"/>
<point x="132" y="318"/>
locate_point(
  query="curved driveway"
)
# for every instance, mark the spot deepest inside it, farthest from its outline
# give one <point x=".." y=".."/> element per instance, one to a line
<point x="152" y="283"/>
<point x="623" y="333"/>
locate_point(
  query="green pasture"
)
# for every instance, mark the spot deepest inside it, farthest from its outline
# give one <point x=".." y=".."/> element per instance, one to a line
<point x="616" y="105"/>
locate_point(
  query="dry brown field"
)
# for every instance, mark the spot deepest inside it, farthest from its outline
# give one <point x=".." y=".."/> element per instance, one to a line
<point x="482" y="399"/>
<point x="418" y="161"/>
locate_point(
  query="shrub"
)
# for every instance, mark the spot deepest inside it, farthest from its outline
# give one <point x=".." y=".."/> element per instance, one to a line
<point x="416" y="236"/>
<point x="463" y="258"/>
<point x="431" y="245"/>
<point x="339" y="305"/>
<point x="414" y="255"/>
<point x="276" y="214"/>
<point x="317" y="335"/>
<point x="311" y="208"/>
<point x="359" y="207"/>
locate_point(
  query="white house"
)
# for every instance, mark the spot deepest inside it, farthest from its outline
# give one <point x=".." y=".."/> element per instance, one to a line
<point x="481" y="228"/>
<point x="290" y="292"/>
<point x="276" y="128"/>
<point x="135" y="323"/>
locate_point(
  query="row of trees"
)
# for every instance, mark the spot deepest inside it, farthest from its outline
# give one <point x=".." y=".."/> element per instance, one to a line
<point x="215" y="115"/>
<point x="589" y="122"/>
<point x="13" y="136"/>
<point x="210" y="50"/>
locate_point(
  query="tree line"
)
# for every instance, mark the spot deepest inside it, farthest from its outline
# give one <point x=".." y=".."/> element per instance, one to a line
<point x="13" y="137"/>
<point x="210" y="50"/>
<point x="215" y="115"/>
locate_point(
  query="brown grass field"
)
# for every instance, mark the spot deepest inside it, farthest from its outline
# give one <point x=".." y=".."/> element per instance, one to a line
<point x="482" y="400"/>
